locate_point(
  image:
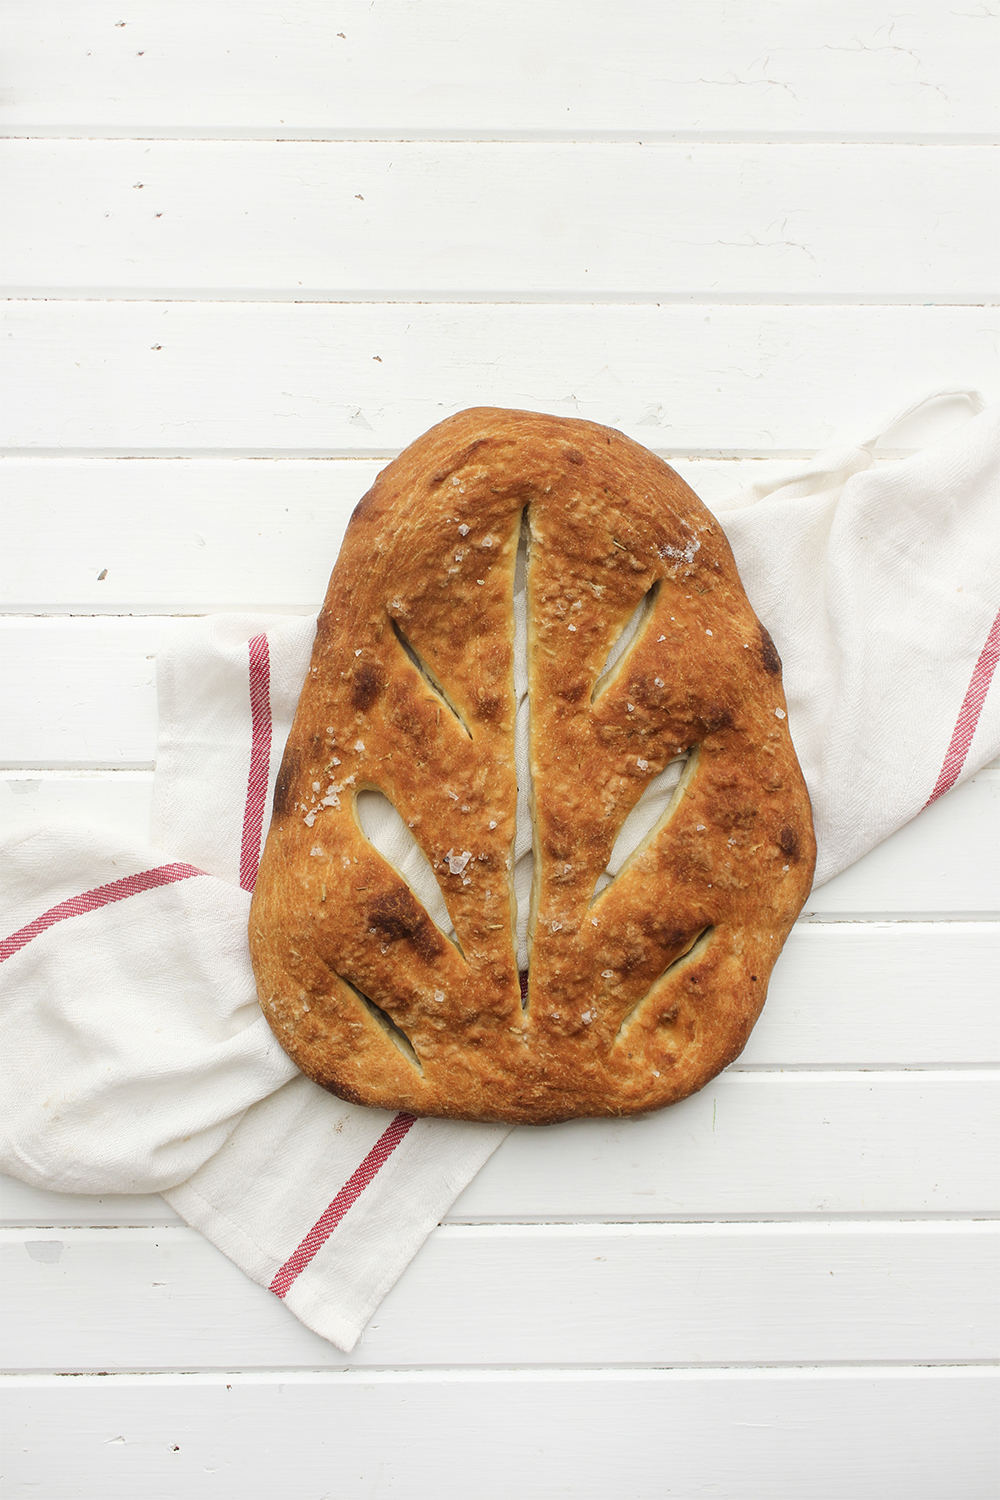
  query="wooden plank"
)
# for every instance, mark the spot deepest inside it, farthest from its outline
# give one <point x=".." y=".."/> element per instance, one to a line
<point x="757" y="1145"/>
<point x="873" y="994"/>
<point x="860" y="67"/>
<point x="599" y="221"/>
<point x="914" y="1434"/>
<point x="118" y="800"/>
<point x="752" y="1145"/>
<point x="24" y="1205"/>
<point x="123" y="536"/>
<point x="177" y="536"/>
<point x="81" y="694"/>
<point x="895" y="1434"/>
<point x="178" y="378"/>
<point x="138" y="1299"/>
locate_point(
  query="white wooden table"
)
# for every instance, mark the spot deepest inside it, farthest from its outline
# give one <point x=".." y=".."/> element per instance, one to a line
<point x="253" y="250"/>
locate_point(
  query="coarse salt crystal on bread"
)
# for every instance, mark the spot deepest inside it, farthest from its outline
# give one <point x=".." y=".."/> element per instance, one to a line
<point x="638" y="989"/>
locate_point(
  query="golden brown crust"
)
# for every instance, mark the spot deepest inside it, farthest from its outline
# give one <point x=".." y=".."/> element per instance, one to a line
<point x="636" y="997"/>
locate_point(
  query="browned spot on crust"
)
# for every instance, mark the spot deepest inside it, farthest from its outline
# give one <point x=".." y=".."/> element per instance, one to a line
<point x="405" y="711"/>
<point x="633" y="958"/>
<point x="789" y="842"/>
<point x="716" y="717"/>
<point x="366" y="685"/>
<point x="769" y="652"/>
<point x="663" y="933"/>
<point x="574" y="455"/>
<point x="489" y="706"/>
<point x="343" y="1091"/>
<point x="396" y="915"/>
<point x="366" y="504"/>
<point x="737" y="815"/>
<point x="288" y="774"/>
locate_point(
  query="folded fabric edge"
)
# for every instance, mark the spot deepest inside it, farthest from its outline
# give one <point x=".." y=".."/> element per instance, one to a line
<point x="973" y="745"/>
<point x="307" y="1298"/>
<point x="307" y="1281"/>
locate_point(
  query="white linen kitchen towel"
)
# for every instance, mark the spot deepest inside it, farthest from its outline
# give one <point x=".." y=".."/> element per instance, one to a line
<point x="880" y="586"/>
<point x="135" y="1056"/>
<point x="136" y="1059"/>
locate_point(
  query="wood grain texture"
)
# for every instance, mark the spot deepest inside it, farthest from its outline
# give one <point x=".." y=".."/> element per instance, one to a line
<point x="361" y="380"/>
<point x="731" y="1434"/>
<point x="774" y="68"/>
<point x="103" y="1299"/>
<point x="412" y="221"/>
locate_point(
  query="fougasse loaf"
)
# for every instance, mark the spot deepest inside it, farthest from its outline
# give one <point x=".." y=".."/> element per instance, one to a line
<point x="638" y="989"/>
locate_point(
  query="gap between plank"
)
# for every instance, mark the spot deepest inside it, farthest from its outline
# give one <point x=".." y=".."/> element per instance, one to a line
<point x="501" y="296"/>
<point x="430" y="1374"/>
<point x="16" y="1228"/>
<point x="396" y="136"/>
<point x="812" y="1227"/>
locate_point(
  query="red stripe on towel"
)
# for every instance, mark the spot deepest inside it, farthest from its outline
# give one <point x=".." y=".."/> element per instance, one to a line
<point x="348" y="1195"/>
<point x="102" y="895"/>
<point x="968" y="714"/>
<point x="260" y="760"/>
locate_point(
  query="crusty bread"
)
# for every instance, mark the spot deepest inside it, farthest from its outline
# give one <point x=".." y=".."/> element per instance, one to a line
<point x="636" y="996"/>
